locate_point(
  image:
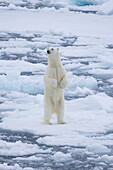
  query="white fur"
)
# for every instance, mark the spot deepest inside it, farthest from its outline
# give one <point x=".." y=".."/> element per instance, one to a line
<point x="55" y="81"/>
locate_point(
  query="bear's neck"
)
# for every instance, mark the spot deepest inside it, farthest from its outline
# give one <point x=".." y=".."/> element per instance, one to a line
<point x="55" y="62"/>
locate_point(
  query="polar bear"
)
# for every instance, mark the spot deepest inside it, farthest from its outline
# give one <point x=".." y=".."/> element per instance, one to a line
<point x="55" y="81"/>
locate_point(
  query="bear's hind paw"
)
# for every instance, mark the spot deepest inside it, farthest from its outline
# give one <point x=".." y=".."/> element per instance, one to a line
<point x="46" y="123"/>
<point x="62" y="122"/>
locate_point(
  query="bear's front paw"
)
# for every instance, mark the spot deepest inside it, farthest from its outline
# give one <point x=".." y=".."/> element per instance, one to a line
<point x="64" y="84"/>
<point x="54" y="83"/>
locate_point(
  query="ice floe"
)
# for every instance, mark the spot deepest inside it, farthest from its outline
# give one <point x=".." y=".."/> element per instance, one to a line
<point x="17" y="149"/>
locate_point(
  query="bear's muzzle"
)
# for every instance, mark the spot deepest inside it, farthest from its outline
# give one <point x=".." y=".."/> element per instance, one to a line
<point x="48" y="52"/>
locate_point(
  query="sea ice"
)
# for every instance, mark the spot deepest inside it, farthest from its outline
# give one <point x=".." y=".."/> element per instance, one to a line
<point x="98" y="148"/>
<point x="15" y="82"/>
<point x="85" y="42"/>
<point x="81" y="81"/>
<point x="17" y="148"/>
<point x="31" y="158"/>
<point x="61" y="157"/>
<point x="106" y="8"/>
<point x="5" y="166"/>
<point x="106" y="158"/>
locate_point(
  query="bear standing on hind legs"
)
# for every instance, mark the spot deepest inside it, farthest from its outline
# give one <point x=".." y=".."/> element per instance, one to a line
<point x="55" y="81"/>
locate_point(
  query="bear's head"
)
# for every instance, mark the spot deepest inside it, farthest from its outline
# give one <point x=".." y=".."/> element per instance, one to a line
<point x="53" y="52"/>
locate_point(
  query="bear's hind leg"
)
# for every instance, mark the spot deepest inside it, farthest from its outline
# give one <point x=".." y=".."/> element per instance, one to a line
<point x="47" y="114"/>
<point x="60" y="112"/>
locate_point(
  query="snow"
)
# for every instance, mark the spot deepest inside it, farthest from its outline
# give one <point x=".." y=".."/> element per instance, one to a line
<point x="80" y="28"/>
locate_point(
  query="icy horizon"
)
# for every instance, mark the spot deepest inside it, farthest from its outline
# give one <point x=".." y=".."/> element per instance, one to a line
<point x="101" y="7"/>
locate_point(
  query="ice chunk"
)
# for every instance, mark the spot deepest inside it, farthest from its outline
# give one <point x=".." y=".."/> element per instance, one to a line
<point x="110" y="80"/>
<point x="17" y="149"/>
<point x="15" y="82"/>
<point x="31" y="158"/>
<point x="106" y="8"/>
<point x="5" y="166"/>
<point x="73" y="139"/>
<point x="82" y="91"/>
<point x="98" y="148"/>
<point x="11" y="7"/>
<point x="61" y="157"/>
<point x="81" y="81"/>
<point x="79" y="92"/>
<point x="106" y="158"/>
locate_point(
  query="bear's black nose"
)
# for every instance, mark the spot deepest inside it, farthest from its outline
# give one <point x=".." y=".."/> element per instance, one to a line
<point x="48" y="51"/>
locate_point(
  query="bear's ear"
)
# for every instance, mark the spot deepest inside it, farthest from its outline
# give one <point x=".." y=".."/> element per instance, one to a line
<point x="58" y="49"/>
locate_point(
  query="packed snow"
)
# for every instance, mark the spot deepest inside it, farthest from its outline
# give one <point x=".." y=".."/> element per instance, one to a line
<point x="83" y="30"/>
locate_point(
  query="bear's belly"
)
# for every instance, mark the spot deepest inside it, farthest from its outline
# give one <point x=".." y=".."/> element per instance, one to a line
<point x="55" y="94"/>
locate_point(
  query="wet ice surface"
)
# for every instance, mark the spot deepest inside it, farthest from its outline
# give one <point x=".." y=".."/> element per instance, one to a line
<point x="26" y="143"/>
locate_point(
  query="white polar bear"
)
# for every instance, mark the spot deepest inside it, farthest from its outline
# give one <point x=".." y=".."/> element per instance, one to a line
<point x="55" y="81"/>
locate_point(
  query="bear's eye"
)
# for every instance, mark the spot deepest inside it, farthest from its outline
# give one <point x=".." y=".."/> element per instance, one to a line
<point x="52" y="49"/>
